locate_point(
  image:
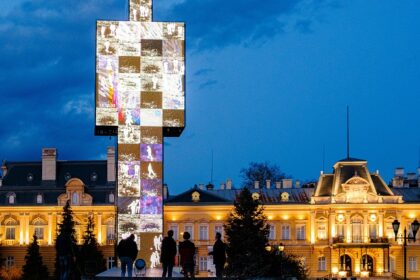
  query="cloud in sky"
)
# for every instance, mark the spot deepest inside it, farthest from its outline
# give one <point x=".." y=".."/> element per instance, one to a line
<point x="214" y="24"/>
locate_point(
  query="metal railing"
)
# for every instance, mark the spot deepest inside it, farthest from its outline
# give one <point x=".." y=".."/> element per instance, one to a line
<point x="361" y="239"/>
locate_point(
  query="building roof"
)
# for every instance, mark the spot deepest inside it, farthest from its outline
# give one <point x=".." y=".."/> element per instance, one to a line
<point x="24" y="179"/>
<point x="228" y="196"/>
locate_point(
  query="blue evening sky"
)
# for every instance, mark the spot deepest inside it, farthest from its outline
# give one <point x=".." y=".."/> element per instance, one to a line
<point x="266" y="81"/>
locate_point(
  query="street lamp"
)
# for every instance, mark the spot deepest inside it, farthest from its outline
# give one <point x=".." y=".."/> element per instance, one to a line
<point x="277" y="250"/>
<point x="414" y="228"/>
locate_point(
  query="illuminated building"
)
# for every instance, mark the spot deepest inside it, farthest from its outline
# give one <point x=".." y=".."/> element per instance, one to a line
<point x="32" y="196"/>
<point x="140" y="98"/>
<point x="343" y="226"/>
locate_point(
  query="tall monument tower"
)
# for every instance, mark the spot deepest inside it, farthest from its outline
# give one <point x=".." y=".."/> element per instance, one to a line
<point x="140" y="97"/>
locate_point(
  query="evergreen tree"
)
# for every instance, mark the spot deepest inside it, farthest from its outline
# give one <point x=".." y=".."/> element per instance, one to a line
<point x="247" y="236"/>
<point x="34" y="268"/>
<point x="91" y="260"/>
<point x="66" y="227"/>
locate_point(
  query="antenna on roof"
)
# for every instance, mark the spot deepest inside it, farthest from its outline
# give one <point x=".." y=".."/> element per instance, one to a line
<point x="211" y="171"/>
<point x="348" y="133"/>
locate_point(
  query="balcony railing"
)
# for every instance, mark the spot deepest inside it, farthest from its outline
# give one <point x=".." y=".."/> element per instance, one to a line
<point x="361" y="239"/>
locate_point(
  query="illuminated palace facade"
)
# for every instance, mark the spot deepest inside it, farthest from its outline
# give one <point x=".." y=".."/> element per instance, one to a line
<point x="32" y="196"/>
<point x="343" y="225"/>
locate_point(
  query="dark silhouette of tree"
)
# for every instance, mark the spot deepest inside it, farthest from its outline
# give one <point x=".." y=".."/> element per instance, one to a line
<point x="91" y="261"/>
<point x="66" y="227"/>
<point x="261" y="171"/>
<point x="34" y="268"/>
<point x="286" y="265"/>
<point x="247" y="236"/>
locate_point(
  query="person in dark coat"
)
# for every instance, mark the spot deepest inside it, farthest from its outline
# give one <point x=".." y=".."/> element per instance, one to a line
<point x="219" y="255"/>
<point x="127" y="252"/>
<point x="167" y="254"/>
<point x="187" y="252"/>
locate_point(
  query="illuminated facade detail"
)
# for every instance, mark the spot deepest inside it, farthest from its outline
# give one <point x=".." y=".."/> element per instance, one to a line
<point x="255" y="196"/>
<point x="195" y="196"/>
<point x="352" y="237"/>
<point x="39" y="204"/>
<point x="140" y="97"/>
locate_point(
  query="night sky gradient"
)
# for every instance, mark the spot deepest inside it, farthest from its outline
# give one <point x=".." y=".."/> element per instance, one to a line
<point x="266" y="81"/>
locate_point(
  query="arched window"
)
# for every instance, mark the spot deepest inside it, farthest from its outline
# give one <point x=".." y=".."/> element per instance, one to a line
<point x="39" y="198"/>
<point x="391" y="264"/>
<point x="110" y="230"/>
<point x="11" y="198"/>
<point x="39" y="229"/>
<point x="11" y="229"/>
<point x="356" y="229"/>
<point x="111" y="198"/>
<point x="75" y="198"/>
<point x="322" y="263"/>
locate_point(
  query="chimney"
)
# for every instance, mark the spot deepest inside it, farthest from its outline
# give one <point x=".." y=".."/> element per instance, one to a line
<point x="229" y="184"/>
<point x="222" y="186"/>
<point x="411" y="176"/>
<point x="201" y="186"/>
<point x="297" y="184"/>
<point x="165" y="192"/>
<point x="267" y="184"/>
<point x="209" y="187"/>
<point x="256" y="185"/>
<point x="4" y="169"/>
<point x="399" y="172"/>
<point x="110" y="164"/>
<point x="377" y="172"/>
<point x="49" y="164"/>
<point x="287" y="183"/>
<point x="278" y="185"/>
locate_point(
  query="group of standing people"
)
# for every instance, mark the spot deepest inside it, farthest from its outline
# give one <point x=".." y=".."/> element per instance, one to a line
<point x="187" y="252"/>
<point x="127" y="253"/>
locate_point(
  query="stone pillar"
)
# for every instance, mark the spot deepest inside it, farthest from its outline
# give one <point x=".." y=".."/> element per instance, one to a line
<point x="49" y="228"/>
<point x="381" y="224"/>
<point x="365" y="227"/>
<point x="100" y="228"/>
<point x="348" y="229"/>
<point x="332" y="233"/>
<point x="21" y="227"/>
<point x="27" y="228"/>
<point x="312" y="227"/>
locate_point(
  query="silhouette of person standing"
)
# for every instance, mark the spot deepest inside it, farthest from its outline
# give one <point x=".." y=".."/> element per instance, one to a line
<point x="187" y="251"/>
<point x="219" y="255"/>
<point x="127" y="252"/>
<point x="168" y="253"/>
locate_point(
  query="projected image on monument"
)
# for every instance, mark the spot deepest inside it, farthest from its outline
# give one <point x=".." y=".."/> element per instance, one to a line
<point x="140" y="98"/>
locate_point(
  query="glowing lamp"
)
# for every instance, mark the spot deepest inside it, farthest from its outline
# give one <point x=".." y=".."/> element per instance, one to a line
<point x="364" y="274"/>
<point x="340" y="217"/>
<point x="334" y="270"/>
<point x="342" y="273"/>
<point x="373" y="217"/>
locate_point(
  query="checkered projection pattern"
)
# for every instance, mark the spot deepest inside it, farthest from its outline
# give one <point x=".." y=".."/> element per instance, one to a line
<point x="140" y="96"/>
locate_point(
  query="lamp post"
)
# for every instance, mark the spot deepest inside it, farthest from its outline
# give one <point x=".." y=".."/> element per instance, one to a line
<point x="278" y="250"/>
<point x="414" y="228"/>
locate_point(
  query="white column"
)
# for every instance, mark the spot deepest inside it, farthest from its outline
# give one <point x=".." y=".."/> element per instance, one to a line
<point x="381" y="224"/>
<point x="27" y="228"/>
<point x="312" y="227"/>
<point x="348" y="228"/>
<point x="332" y="233"/>
<point x="365" y="227"/>
<point x="21" y="227"/>
<point x="49" y="228"/>
<point x="100" y="228"/>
